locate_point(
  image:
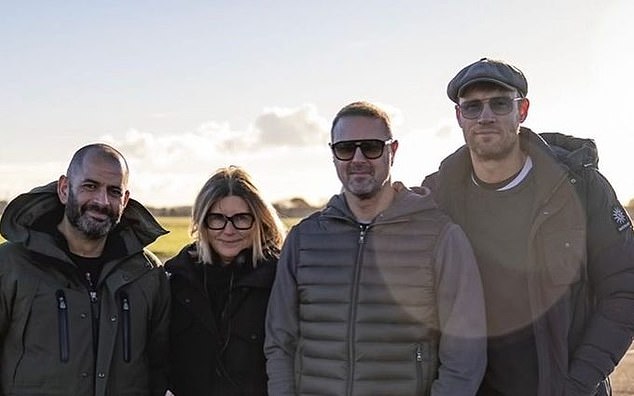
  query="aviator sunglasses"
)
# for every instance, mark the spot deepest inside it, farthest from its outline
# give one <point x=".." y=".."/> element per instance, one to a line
<point x="500" y="105"/>
<point x="370" y="148"/>
<point x="218" y="221"/>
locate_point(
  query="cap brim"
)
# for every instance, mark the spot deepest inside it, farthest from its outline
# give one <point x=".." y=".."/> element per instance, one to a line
<point x="486" y="79"/>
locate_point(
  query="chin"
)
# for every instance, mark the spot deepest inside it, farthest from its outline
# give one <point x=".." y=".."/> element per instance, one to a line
<point x="230" y="254"/>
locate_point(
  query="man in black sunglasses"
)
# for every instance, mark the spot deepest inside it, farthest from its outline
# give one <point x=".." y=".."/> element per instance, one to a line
<point x="378" y="293"/>
<point x="554" y="246"/>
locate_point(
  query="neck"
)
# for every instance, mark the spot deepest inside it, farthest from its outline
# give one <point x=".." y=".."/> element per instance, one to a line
<point x="78" y="244"/>
<point x="365" y="210"/>
<point x="499" y="169"/>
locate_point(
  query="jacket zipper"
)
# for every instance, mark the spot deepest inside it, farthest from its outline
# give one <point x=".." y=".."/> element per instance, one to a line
<point x="419" y="369"/>
<point x="544" y="211"/>
<point x="62" y="325"/>
<point x="127" y="331"/>
<point x="94" y="311"/>
<point x="363" y="228"/>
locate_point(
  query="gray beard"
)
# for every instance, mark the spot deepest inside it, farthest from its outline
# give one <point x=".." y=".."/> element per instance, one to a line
<point x="91" y="229"/>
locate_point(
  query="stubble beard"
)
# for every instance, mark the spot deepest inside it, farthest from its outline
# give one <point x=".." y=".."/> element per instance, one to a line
<point x="362" y="186"/>
<point x="91" y="228"/>
<point x="491" y="151"/>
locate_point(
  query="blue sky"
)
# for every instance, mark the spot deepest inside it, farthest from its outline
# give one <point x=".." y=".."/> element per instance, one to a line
<point x="182" y="88"/>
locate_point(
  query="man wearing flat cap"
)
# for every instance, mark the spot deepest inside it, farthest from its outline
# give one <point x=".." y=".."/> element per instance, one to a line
<point x="554" y="246"/>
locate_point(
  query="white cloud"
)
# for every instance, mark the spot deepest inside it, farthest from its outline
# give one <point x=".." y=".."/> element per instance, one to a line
<point x="291" y="127"/>
<point x="421" y="150"/>
<point x="168" y="170"/>
<point x="285" y="150"/>
<point x="22" y="177"/>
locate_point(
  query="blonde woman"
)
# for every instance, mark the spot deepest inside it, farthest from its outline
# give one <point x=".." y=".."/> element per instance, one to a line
<point x="220" y="286"/>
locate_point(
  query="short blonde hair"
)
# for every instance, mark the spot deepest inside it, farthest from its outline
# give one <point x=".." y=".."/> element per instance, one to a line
<point x="269" y="230"/>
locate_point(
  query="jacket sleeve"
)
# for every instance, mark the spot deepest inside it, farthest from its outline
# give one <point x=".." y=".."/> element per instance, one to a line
<point x="158" y="334"/>
<point x="282" y="323"/>
<point x="431" y="181"/>
<point x="608" y="333"/>
<point x="462" y="348"/>
<point x="6" y="291"/>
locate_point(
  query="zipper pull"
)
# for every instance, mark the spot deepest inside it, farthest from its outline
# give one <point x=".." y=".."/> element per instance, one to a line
<point x="419" y="354"/>
<point x="362" y="233"/>
<point x="126" y="304"/>
<point x="61" y="301"/>
<point x="91" y="288"/>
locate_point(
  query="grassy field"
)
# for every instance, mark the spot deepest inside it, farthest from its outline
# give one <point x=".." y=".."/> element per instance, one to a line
<point x="168" y="245"/>
<point x="178" y="227"/>
<point x="623" y="377"/>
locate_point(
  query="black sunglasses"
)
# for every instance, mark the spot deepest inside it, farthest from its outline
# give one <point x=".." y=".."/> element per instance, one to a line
<point x="218" y="221"/>
<point x="370" y="148"/>
<point x="500" y="105"/>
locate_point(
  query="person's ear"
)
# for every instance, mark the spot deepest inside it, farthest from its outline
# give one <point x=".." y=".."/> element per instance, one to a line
<point x="126" y="198"/>
<point x="523" y="109"/>
<point x="393" y="147"/>
<point x="62" y="189"/>
<point x="458" y="115"/>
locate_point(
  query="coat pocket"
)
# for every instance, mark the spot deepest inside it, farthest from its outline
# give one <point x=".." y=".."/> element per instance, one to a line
<point x="426" y="360"/>
<point x="565" y="257"/>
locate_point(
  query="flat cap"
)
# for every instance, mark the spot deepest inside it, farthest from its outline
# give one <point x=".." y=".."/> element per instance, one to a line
<point x="487" y="70"/>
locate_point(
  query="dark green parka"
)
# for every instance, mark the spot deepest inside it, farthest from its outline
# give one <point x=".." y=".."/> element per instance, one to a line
<point x="46" y="331"/>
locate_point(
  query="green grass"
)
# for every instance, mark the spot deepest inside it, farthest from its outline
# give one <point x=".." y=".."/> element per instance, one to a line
<point x="168" y="245"/>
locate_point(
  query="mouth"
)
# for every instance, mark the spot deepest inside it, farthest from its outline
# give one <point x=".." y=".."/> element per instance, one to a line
<point x="231" y="242"/>
<point x="363" y="171"/>
<point x="485" y="135"/>
<point x="97" y="213"/>
<point x="486" y="132"/>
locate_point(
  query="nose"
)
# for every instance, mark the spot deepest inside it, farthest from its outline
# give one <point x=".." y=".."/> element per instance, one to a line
<point x="229" y="228"/>
<point x="487" y="115"/>
<point x="358" y="155"/>
<point x="101" y="196"/>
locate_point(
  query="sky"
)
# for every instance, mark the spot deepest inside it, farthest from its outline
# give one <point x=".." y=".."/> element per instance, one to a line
<point x="183" y="88"/>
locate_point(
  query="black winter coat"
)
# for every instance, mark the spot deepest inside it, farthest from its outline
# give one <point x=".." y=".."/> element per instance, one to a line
<point x="204" y="359"/>
<point x="582" y="248"/>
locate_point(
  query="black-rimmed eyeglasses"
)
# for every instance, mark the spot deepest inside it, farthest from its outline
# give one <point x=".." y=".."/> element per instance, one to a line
<point x="500" y="105"/>
<point x="240" y="221"/>
<point x="370" y="148"/>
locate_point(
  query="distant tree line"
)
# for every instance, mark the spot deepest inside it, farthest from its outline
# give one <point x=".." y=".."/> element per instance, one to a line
<point x="177" y="211"/>
<point x="295" y="207"/>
